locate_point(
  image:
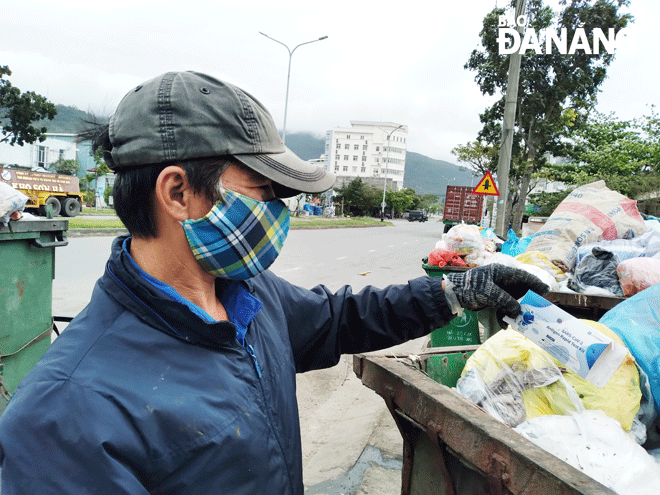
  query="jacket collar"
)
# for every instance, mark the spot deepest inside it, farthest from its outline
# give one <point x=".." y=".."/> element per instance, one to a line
<point x="123" y="282"/>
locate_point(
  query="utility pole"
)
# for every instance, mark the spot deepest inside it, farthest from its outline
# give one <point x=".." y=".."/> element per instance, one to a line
<point x="504" y="161"/>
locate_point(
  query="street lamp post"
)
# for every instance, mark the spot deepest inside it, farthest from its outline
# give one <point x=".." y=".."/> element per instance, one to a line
<point x="387" y="164"/>
<point x="288" y="75"/>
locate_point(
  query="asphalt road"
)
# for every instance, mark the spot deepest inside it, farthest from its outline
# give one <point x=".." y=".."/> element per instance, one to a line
<point x="350" y="442"/>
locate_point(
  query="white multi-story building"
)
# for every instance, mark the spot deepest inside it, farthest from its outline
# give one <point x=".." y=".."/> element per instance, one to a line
<point x="373" y="151"/>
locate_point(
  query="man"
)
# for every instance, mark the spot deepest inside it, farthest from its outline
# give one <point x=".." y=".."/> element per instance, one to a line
<point x="179" y="376"/>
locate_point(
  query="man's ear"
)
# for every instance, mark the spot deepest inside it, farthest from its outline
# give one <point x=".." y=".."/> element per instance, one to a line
<point x="173" y="193"/>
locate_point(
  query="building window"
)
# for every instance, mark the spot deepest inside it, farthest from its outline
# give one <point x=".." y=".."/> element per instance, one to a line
<point x="336" y="168"/>
<point x="347" y="146"/>
<point x="355" y="158"/>
<point x="338" y="146"/>
<point x="363" y="169"/>
<point x="42" y="155"/>
<point x="364" y="147"/>
<point x="348" y="136"/>
<point x="361" y="137"/>
<point x="377" y="148"/>
<point x="364" y="158"/>
<point x="345" y="157"/>
<point x="356" y="147"/>
<point x="345" y="169"/>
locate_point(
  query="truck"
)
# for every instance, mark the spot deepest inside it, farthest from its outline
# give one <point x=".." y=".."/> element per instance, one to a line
<point x="461" y="206"/>
<point x="417" y="216"/>
<point x="60" y="192"/>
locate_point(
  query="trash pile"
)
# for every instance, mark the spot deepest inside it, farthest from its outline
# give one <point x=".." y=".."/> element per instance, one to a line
<point x="595" y="243"/>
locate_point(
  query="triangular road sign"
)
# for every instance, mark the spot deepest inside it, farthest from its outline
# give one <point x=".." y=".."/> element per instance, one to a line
<point x="486" y="186"/>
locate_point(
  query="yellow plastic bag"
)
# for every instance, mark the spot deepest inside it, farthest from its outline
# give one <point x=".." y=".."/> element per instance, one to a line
<point x="541" y="260"/>
<point x="514" y="380"/>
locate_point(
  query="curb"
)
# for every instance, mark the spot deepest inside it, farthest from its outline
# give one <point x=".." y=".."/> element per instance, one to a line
<point x="118" y="232"/>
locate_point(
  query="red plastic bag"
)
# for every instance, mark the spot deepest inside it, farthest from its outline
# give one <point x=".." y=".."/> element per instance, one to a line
<point x="443" y="257"/>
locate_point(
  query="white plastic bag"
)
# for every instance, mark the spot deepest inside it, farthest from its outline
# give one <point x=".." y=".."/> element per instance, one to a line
<point x="11" y="201"/>
<point x="596" y="445"/>
<point x="465" y="240"/>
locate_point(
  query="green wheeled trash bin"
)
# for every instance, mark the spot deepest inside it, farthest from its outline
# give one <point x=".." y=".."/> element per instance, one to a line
<point x="27" y="269"/>
<point x="461" y="331"/>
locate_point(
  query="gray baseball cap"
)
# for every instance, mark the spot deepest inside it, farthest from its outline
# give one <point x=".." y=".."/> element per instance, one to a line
<point x="187" y="115"/>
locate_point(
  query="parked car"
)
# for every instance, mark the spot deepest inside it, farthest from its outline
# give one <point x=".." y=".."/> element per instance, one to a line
<point x="417" y="216"/>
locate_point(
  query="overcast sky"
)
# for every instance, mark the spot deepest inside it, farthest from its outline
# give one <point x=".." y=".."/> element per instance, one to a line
<point x="386" y="61"/>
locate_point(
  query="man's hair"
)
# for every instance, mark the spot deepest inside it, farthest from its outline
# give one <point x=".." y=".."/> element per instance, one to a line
<point x="133" y="190"/>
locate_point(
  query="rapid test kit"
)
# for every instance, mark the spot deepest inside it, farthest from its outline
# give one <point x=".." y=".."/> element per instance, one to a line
<point x="584" y="350"/>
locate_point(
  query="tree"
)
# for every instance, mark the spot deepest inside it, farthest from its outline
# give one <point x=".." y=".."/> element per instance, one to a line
<point x="625" y="154"/>
<point x="19" y="110"/>
<point x="359" y="198"/>
<point x="403" y="200"/>
<point x="430" y="203"/>
<point x="480" y="156"/>
<point x="556" y="91"/>
<point x="65" y="167"/>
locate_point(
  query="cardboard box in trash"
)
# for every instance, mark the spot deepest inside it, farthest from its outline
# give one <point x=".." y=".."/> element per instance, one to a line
<point x="592" y="355"/>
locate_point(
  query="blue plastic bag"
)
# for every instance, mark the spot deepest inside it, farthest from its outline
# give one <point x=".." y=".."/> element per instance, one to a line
<point x="514" y="246"/>
<point x="637" y="321"/>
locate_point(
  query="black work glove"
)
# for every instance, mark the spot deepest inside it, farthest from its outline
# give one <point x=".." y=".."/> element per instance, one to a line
<point x="492" y="286"/>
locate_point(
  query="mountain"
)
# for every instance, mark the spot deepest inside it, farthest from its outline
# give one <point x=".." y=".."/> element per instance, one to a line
<point x="307" y="146"/>
<point x="68" y="120"/>
<point x="428" y="176"/>
<point x="423" y="174"/>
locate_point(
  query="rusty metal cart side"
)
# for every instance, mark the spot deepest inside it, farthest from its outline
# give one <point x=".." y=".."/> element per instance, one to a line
<point x="452" y="447"/>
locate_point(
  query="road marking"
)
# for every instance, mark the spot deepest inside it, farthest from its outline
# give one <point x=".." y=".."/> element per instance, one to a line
<point x="342" y="258"/>
<point x="372" y="250"/>
<point x="391" y="245"/>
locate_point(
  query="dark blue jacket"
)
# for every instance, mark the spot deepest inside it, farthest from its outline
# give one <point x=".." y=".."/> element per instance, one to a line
<point x="140" y="395"/>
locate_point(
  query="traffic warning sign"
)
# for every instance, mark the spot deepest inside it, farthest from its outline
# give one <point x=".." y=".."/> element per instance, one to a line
<point x="486" y="186"/>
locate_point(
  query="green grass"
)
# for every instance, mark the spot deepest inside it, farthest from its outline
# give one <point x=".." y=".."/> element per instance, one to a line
<point x="95" y="223"/>
<point x="113" y="223"/>
<point x="100" y="211"/>
<point x="315" y="221"/>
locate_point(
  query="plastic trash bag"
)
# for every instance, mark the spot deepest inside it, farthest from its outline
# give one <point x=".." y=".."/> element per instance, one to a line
<point x="595" y="444"/>
<point x="647" y="244"/>
<point x="637" y="274"/>
<point x="514" y="246"/>
<point x="591" y="213"/>
<point x="537" y="258"/>
<point x="464" y="240"/>
<point x="443" y="257"/>
<point x="507" y="260"/>
<point x="598" y="269"/>
<point x="637" y="321"/>
<point x="11" y="201"/>
<point x="514" y="379"/>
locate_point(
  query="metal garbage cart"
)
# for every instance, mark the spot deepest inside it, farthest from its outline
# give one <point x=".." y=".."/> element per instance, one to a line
<point x="453" y="447"/>
<point x="27" y="270"/>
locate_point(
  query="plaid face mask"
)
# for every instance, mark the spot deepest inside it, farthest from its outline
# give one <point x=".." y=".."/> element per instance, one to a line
<point x="240" y="237"/>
